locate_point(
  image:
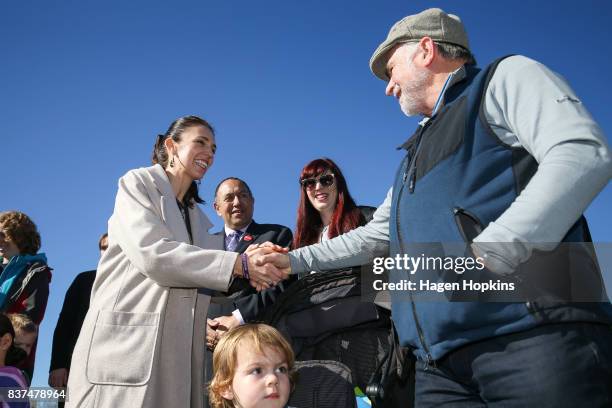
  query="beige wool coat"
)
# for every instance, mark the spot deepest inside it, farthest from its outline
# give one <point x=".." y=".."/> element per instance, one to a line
<point x="143" y="340"/>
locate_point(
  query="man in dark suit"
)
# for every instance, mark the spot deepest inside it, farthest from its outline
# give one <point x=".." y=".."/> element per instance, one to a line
<point x="74" y="309"/>
<point x="234" y="202"/>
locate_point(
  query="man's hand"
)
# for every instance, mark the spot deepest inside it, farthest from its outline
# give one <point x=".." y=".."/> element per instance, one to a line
<point x="490" y="255"/>
<point x="280" y="260"/>
<point x="211" y="334"/>
<point x="276" y="248"/>
<point x="265" y="274"/>
<point x="58" y="378"/>
<point x="216" y="328"/>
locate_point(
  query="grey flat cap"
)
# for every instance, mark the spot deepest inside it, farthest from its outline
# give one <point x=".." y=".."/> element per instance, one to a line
<point x="434" y="23"/>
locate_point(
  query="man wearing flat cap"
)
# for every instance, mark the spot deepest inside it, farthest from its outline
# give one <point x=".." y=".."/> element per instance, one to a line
<point x="506" y="160"/>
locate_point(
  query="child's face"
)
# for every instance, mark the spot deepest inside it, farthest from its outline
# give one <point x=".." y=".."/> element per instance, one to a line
<point x="260" y="380"/>
<point x="25" y="341"/>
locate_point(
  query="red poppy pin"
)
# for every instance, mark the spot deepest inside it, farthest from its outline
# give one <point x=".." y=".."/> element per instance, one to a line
<point x="248" y="238"/>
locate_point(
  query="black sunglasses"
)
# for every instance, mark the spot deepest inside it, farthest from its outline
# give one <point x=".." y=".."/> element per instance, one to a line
<point x="310" y="183"/>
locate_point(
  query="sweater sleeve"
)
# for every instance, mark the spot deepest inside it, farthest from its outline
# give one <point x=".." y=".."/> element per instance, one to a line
<point x="528" y="105"/>
<point x="356" y="247"/>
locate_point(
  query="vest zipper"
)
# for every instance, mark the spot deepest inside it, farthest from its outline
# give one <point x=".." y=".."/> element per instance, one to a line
<point x="430" y="361"/>
<point x="411" y="171"/>
<point x="412" y="181"/>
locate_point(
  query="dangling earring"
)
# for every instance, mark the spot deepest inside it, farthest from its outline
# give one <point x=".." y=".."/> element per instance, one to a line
<point x="172" y="162"/>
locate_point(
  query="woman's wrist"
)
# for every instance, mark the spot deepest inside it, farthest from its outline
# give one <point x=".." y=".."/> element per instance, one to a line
<point x="245" y="265"/>
<point x="237" y="272"/>
<point x="241" y="267"/>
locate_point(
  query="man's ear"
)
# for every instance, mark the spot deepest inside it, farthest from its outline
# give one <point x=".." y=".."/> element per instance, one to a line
<point x="227" y="393"/>
<point x="216" y="207"/>
<point x="428" y="51"/>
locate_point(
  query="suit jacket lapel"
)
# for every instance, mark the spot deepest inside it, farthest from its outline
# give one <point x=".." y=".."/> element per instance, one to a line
<point x="249" y="237"/>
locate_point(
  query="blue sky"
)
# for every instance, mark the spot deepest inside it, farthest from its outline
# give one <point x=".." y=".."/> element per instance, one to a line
<point x="86" y="87"/>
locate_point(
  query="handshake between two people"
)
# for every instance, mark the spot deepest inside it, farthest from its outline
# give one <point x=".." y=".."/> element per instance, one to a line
<point x="267" y="265"/>
<point x="264" y="265"/>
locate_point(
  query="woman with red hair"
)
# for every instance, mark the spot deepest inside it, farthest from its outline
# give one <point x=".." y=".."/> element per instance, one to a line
<point x="326" y="208"/>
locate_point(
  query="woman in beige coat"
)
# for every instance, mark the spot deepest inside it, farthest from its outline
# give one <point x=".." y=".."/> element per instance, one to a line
<point x="142" y="341"/>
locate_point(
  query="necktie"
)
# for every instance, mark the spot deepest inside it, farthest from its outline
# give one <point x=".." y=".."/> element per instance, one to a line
<point x="234" y="238"/>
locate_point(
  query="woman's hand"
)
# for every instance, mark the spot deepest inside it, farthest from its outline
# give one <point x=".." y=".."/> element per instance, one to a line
<point x="263" y="274"/>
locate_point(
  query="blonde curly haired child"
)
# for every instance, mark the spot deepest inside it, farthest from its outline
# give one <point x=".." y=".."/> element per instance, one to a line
<point x="253" y="367"/>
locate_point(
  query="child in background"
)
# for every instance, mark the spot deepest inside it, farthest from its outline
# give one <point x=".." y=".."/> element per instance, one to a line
<point x="26" y="331"/>
<point x="11" y="378"/>
<point x="253" y="368"/>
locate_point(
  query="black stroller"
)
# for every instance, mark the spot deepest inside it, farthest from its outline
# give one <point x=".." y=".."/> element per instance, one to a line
<point x="341" y="340"/>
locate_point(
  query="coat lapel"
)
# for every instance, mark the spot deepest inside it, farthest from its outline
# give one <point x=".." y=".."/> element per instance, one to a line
<point x="218" y="240"/>
<point x="200" y="224"/>
<point x="169" y="208"/>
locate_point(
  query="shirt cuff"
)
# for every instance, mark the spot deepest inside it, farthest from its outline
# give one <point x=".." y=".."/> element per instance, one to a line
<point x="238" y="316"/>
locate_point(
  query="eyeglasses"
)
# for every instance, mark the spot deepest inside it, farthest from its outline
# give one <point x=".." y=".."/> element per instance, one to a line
<point x="325" y="181"/>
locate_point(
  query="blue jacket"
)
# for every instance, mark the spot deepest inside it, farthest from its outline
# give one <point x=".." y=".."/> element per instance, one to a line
<point x="456" y="166"/>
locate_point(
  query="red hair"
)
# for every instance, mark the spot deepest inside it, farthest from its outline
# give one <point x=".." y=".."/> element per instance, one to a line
<point x="346" y="215"/>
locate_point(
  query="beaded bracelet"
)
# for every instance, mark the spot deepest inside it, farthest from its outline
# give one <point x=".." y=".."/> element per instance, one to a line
<point x="245" y="265"/>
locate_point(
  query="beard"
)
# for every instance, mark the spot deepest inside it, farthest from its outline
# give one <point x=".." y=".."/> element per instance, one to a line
<point x="413" y="97"/>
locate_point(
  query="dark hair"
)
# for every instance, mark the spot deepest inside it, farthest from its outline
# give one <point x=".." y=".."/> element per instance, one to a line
<point x="246" y="186"/>
<point x="14" y="355"/>
<point x="103" y="242"/>
<point x="160" y="155"/>
<point x="453" y="51"/>
<point x="20" y="229"/>
<point x="346" y="215"/>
